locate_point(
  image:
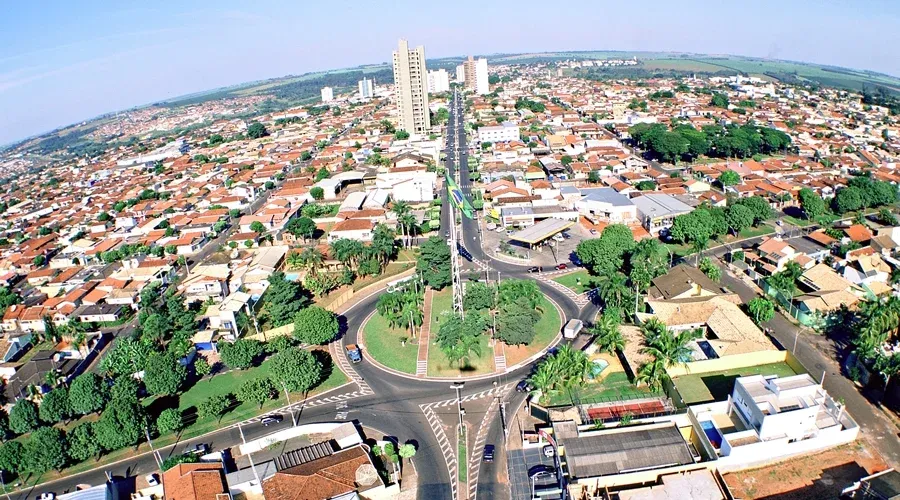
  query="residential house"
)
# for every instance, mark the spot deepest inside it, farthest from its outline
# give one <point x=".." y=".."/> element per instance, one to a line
<point x="353" y="229"/>
<point x="195" y="481"/>
<point x="682" y="282"/>
<point x="302" y="475"/>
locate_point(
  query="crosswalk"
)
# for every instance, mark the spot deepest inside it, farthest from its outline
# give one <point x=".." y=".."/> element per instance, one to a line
<point x="347" y="368"/>
<point x="580" y="299"/>
<point x="448" y="448"/>
<point x="500" y="389"/>
<point x="500" y="363"/>
<point x="421" y="367"/>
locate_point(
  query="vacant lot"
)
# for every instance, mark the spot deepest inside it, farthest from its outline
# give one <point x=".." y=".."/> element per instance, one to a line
<point x="716" y="386"/>
<point x="822" y="475"/>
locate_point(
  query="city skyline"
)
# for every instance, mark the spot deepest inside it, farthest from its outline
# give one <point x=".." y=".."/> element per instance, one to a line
<point x="91" y="59"/>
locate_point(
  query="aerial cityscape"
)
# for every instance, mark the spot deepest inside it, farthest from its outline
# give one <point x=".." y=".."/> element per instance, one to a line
<point x="581" y="274"/>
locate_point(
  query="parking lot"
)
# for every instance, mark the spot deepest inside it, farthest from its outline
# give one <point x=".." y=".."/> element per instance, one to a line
<point x="520" y="461"/>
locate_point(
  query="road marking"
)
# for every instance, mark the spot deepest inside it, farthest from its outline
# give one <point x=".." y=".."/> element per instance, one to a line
<point x="447" y="448"/>
<point x="475" y="457"/>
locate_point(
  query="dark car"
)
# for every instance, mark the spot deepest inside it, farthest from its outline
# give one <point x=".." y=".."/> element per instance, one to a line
<point x="523" y="386"/>
<point x="488" y="453"/>
<point x="200" y="449"/>
<point x="541" y="470"/>
<point x="535" y="269"/>
<point x="271" y="419"/>
<point x="354" y="353"/>
<point x="560" y="267"/>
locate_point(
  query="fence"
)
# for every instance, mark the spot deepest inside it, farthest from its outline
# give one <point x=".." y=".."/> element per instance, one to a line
<point x="736" y="361"/>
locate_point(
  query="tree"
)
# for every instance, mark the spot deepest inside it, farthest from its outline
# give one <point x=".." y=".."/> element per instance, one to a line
<point x="126" y="357"/>
<point x="711" y="270"/>
<point x="315" y="325"/>
<point x="86" y="394"/>
<point x="82" y="442"/>
<point x="458" y="338"/>
<point x="848" y="199"/>
<point x="256" y="130"/>
<point x="46" y="450"/>
<point x="516" y="321"/>
<point x="347" y="251"/>
<point x="103" y="216"/>
<point x="478" y="297"/>
<point x="760" y="207"/>
<point x="786" y="280"/>
<point x="23" y="417"/>
<point x="283" y="299"/>
<point x="407" y="450"/>
<point x="609" y="336"/>
<point x="296" y="369"/>
<point x="401" y="135"/>
<point x="434" y="263"/>
<point x="121" y="424"/>
<point x="761" y="308"/>
<point x="302" y="227"/>
<point x="257" y="227"/>
<point x="729" y="178"/>
<point x="241" y="353"/>
<point x="605" y="255"/>
<point x="614" y="290"/>
<point x="55" y="406"/>
<point x="169" y="420"/>
<point x="384" y="244"/>
<point x="739" y="217"/>
<point x="39" y="260"/>
<point x="258" y="390"/>
<point x="719" y="100"/>
<point x="214" y="406"/>
<point x="317" y="193"/>
<point x="887" y="367"/>
<point x="163" y="374"/>
<point x="155" y="329"/>
<point x="322" y="174"/>
<point x="201" y="366"/>
<point x="886" y="217"/>
<point x="11" y="454"/>
<point x="4" y="426"/>
<point x="812" y="204"/>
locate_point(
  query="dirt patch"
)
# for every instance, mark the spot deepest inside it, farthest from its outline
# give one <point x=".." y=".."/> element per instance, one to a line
<point x="821" y="475"/>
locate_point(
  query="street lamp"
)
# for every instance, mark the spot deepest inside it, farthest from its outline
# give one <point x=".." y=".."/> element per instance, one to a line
<point x="290" y="408"/>
<point x="458" y="386"/>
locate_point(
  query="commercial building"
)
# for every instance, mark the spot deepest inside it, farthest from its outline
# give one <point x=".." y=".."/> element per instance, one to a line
<point x="476" y="75"/>
<point x="327" y="94"/>
<point x="505" y="132"/>
<point x="411" y="88"/>
<point x="366" y="88"/>
<point x="438" y="81"/>
<point x="658" y="211"/>
<point x="606" y="205"/>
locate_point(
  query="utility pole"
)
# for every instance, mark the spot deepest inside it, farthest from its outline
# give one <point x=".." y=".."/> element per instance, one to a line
<point x="290" y="407"/>
<point x="155" y="453"/>
<point x="249" y="455"/>
<point x="458" y="386"/>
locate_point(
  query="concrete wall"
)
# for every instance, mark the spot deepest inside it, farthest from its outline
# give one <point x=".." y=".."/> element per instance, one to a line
<point x="736" y="361"/>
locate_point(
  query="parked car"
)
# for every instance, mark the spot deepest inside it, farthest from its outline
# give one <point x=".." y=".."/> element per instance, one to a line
<point x="549" y="451"/>
<point x="488" y="453"/>
<point x="271" y="419"/>
<point x="561" y="267"/>
<point x="541" y="470"/>
<point x="47" y="496"/>
<point x="535" y="269"/>
<point x="151" y="479"/>
<point x="200" y="449"/>
<point x="523" y="386"/>
<point x="354" y="353"/>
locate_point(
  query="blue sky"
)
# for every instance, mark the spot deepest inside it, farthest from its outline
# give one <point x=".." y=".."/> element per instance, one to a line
<point x="64" y="61"/>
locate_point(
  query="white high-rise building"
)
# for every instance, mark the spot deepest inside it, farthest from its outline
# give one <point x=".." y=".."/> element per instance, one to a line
<point x="327" y="94"/>
<point x="438" y="81"/>
<point x="366" y="88"/>
<point x="461" y="73"/>
<point x="482" y="86"/>
<point x="411" y="88"/>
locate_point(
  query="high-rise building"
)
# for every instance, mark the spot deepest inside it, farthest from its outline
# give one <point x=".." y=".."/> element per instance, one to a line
<point x="366" y="88"/>
<point x="476" y="75"/>
<point x="438" y="81"/>
<point x="327" y="94"/>
<point x="461" y="73"/>
<point x="411" y="88"/>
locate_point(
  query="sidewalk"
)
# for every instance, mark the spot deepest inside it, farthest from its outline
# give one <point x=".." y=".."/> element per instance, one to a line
<point x="424" y="335"/>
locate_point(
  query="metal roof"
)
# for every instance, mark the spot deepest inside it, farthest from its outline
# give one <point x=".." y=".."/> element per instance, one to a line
<point x="542" y="230"/>
<point x="606" y="195"/>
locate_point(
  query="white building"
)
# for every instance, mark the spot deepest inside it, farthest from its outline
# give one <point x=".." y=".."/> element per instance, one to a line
<point x="366" y="88"/>
<point x="327" y="94"/>
<point x="411" y="88"/>
<point x="481" y="77"/>
<point x="438" y="81"/>
<point x="606" y="205"/>
<point x="461" y="73"/>
<point x="505" y="132"/>
<point x="412" y="187"/>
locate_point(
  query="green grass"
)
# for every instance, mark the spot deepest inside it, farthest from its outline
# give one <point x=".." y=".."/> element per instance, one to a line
<point x="462" y="462"/>
<point x="790" y="219"/>
<point x="614" y="387"/>
<point x="392" y="269"/>
<point x="382" y="343"/>
<point x="441" y="303"/>
<point x="545" y="330"/>
<point x="571" y="281"/>
<point x="716" y="386"/>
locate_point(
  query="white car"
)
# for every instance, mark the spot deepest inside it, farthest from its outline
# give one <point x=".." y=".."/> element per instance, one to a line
<point x="151" y="480"/>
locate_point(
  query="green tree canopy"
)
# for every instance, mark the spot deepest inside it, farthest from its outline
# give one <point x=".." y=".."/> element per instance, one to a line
<point x="516" y="321"/>
<point x="241" y="354"/>
<point x="55" y="406"/>
<point x="315" y="325"/>
<point x="46" y="450"/>
<point x="169" y="420"/>
<point x="434" y="262"/>
<point x="478" y="297"/>
<point x="257" y="391"/>
<point x="729" y="178"/>
<point x="82" y="442"/>
<point x="87" y="394"/>
<point x="23" y="417"/>
<point x="121" y="424"/>
<point x="163" y="374"/>
<point x="283" y="299"/>
<point x="296" y="369"/>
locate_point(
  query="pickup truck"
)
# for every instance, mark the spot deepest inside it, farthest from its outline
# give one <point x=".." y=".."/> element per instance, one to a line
<point x="572" y="328"/>
<point x="354" y="353"/>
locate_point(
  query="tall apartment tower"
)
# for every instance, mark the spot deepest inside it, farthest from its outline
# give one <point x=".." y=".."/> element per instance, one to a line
<point x="461" y="73"/>
<point x="327" y="94"/>
<point x="411" y="88"/>
<point x="438" y="81"/>
<point x="366" y="88"/>
<point x="476" y="75"/>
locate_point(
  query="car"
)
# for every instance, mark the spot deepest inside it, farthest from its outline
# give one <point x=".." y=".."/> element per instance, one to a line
<point x="779" y="222"/>
<point x="200" y="449"/>
<point x="523" y="386"/>
<point x="151" y="480"/>
<point x="488" y="453"/>
<point x="534" y="269"/>
<point x="446" y="234"/>
<point x="541" y="471"/>
<point x="354" y="353"/>
<point x="49" y="495"/>
<point x="271" y="419"/>
<point x="549" y="451"/>
<point x="561" y="267"/>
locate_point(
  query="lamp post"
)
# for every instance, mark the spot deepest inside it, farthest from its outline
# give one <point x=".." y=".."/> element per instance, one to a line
<point x="458" y="387"/>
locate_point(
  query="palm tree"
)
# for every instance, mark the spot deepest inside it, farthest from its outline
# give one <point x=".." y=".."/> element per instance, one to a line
<point x="613" y="290"/>
<point x="383" y="244"/>
<point x="294" y="260"/>
<point x="665" y="345"/>
<point x="407" y="224"/>
<point x="545" y="377"/>
<point x="609" y="337"/>
<point x="347" y="251"/>
<point x="652" y="373"/>
<point x="311" y="259"/>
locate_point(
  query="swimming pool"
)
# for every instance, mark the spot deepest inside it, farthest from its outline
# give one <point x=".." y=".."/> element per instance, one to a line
<point x="597" y="367"/>
<point x="715" y="437"/>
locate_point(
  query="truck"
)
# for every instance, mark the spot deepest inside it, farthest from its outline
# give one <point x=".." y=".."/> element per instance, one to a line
<point x="572" y="328"/>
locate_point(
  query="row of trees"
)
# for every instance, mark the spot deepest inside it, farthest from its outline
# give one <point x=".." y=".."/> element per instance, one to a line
<point x="862" y="192"/>
<point x="702" y="224"/>
<point x="684" y="142"/>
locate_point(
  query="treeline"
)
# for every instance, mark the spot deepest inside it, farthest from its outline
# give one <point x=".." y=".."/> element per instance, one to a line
<point x="684" y="142"/>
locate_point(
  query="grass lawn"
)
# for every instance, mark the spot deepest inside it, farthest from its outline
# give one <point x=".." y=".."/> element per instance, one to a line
<point x="391" y="269"/>
<point x="383" y="344"/>
<point x="546" y="329"/>
<point x="613" y="387"/>
<point x="679" y="250"/>
<point x="579" y="282"/>
<point x="441" y="303"/>
<point x="790" y="219"/>
<point x="750" y="232"/>
<point x="716" y="386"/>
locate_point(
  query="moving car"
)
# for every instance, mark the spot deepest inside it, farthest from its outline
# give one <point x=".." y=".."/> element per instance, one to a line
<point x="272" y="419"/>
<point x="549" y="451"/>
<point x="354" y="353"/>
<point x="523" y="386"/>
<point x="572" y="328"/>
<point x="200" y="449"/>
<point x="47" y="496"/>
<point x="535" y="269"/>
<point x="561" y="267"/>
<point x="488" y="453"/>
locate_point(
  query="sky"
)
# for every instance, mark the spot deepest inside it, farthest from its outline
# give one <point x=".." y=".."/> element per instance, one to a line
<point x="62" y="62"/>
